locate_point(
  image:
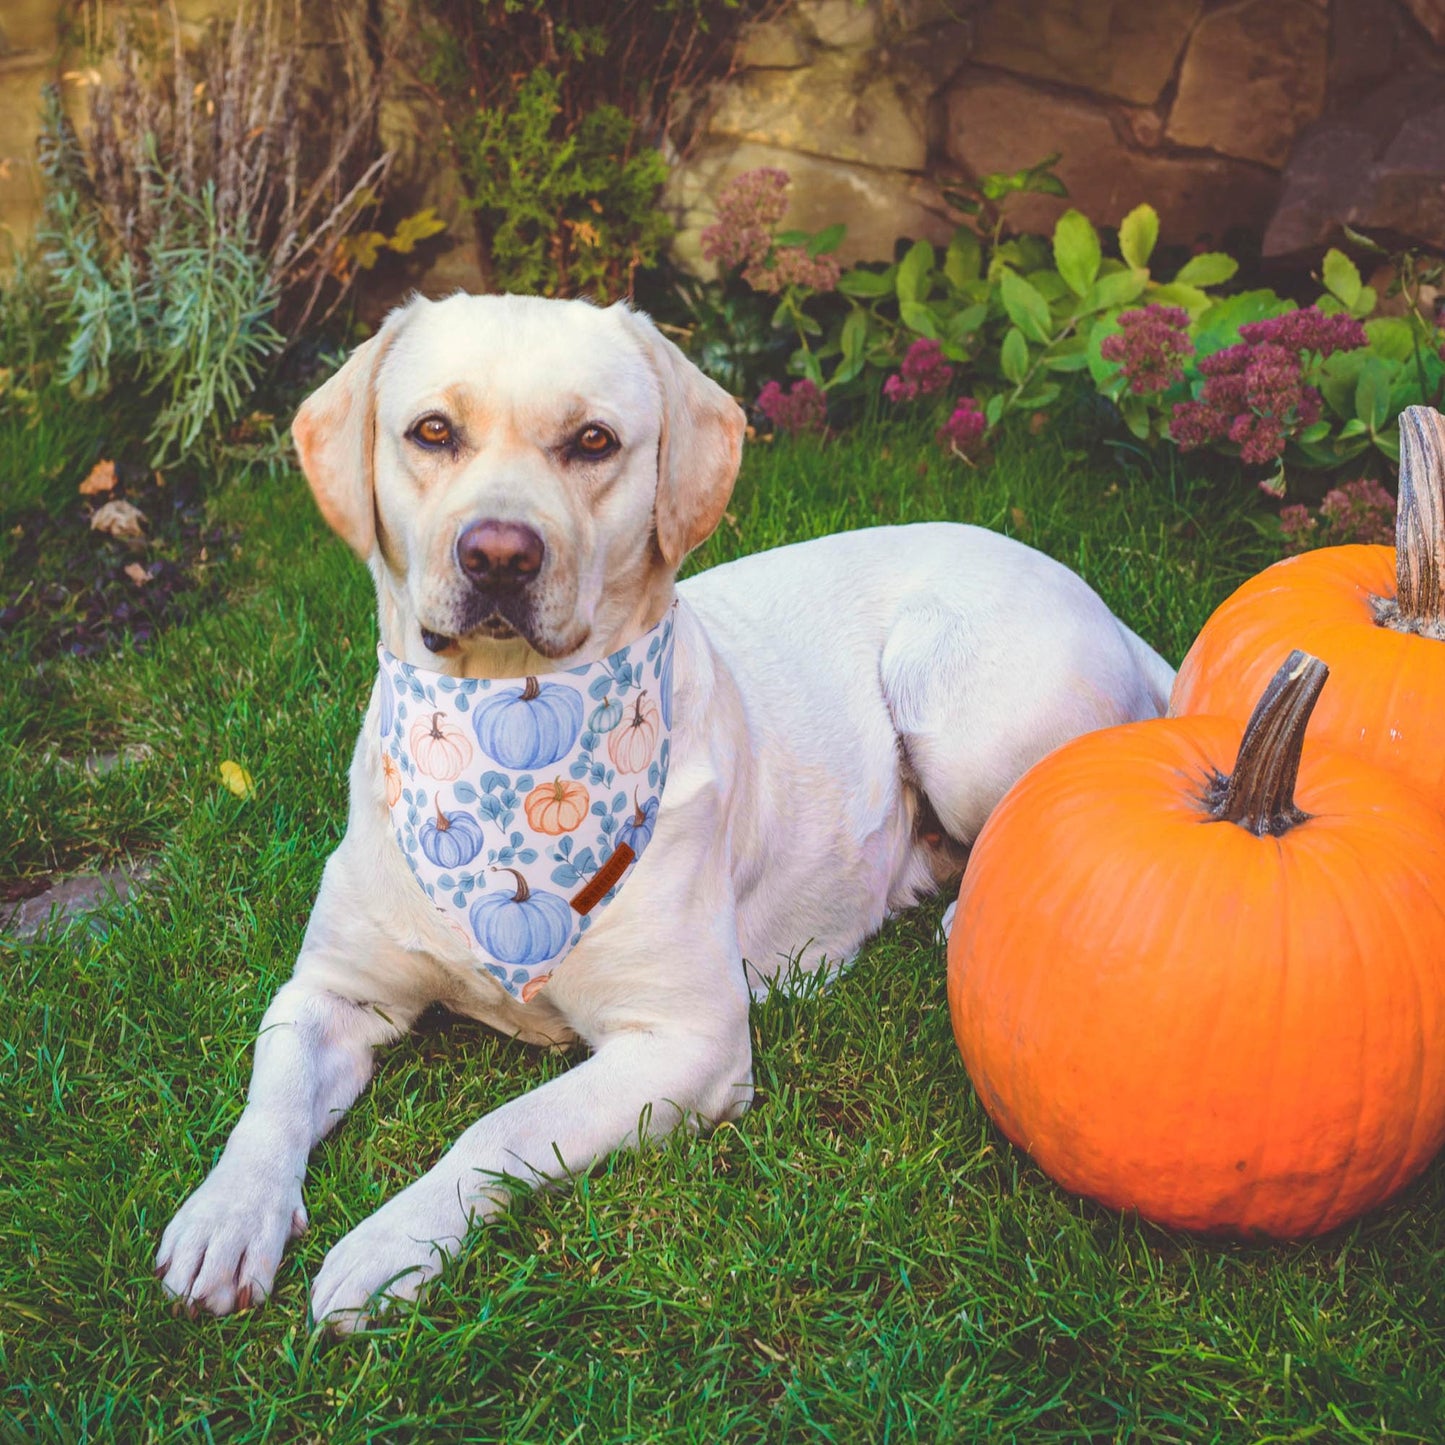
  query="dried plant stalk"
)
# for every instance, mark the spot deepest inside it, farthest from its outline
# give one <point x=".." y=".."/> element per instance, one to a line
<point x="241" y="119"/>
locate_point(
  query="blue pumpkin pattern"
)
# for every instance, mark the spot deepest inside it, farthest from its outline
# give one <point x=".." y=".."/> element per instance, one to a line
<point x="466" y="838"/>
<point x="450" y="839"/>
<point x="606" y="715"/>
<point x="636" y="832"/>
<point x="524" y="929"/>
<point x="386" y="705"/>
<point x="530" y="726"/>
<point x="664" y="689"/>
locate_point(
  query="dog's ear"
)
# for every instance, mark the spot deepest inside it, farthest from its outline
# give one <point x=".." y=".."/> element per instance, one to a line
<point x="700" y="448"/>
<point x="335" y="437"/>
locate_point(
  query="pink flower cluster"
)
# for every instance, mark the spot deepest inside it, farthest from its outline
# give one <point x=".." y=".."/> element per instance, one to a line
<point x="1150" y="347"/>
<point x="963" y="431"/>
<point x="1254" y="395"/>
<point x="800" y="409"/>
<point x="749" y="208"/>
<point x="793" y="266"/>
<point x="1361" y="511"/>
<point x="923" y="372"/>
<point x="1254" y="392"/>
<point x="1307" y="330"/>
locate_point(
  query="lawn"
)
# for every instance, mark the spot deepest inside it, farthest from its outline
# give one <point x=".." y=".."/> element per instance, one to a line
<point x="861" y="1257"/>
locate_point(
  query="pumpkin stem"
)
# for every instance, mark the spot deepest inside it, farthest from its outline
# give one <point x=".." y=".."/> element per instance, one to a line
<point x="523" y="892"/>
<point x="530" y="689"/>
<point x="436" y="725"/>
<point x="1259" y="794"/>
<point x="638" y="816"/>
<point x="637" y="709"/>
<point x="443" y="822"/>
<point x="1419" y="602"/>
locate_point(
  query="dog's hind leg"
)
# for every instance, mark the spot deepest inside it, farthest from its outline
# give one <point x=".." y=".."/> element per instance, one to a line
<point x="978" y="696"/>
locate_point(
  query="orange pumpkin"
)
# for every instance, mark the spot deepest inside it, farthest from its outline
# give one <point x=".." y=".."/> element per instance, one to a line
<point x="439" y="747"/>
<point x="631" y="743"/>
<point x="392" y="776"/>
<point x="1206" y="987"/>
<point x="1376" y="615"/>
<point x="556" y="807"/>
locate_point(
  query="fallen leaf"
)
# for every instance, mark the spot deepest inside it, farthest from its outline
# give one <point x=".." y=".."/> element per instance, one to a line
<point x="119" y="519"/>
<point x="137" y="574"/>
<point x="101" y="479"/>
<point x="237" y="779"/>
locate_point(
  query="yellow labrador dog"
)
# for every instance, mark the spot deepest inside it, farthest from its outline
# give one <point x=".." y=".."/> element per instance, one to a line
<point x="523" y="478"/>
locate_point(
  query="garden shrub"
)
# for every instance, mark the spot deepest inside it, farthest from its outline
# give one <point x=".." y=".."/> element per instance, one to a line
<point x="203" y="225"/>
<point x="556" y="114"/>
<point x="994" y="326"/>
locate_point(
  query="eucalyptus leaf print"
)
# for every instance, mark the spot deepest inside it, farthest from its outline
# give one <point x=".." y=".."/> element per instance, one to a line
<point x="520" y="839"/>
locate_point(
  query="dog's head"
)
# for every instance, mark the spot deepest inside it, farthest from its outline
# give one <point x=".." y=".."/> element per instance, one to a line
<point x="523" y="476"/>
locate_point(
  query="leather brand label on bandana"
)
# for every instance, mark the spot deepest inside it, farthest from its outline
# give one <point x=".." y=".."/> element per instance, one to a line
<point x="522" y="805"/>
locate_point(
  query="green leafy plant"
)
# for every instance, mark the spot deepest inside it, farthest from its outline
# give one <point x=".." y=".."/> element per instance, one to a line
<point x="564" y="210"/>
<point x="1272" y="383"/>
<point x="202" y="224"/>
<point x="1016" y="314"/>
<point x="556" y="114"/>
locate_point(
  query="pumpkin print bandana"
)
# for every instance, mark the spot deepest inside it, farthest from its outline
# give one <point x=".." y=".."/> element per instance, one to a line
<point x="523" y="804"/>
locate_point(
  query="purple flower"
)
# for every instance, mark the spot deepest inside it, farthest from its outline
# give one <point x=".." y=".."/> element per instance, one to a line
<point x="963" y="431"/>
<point x="1360" y="511"/>
<point x="800" y="409"/>
<point x="1254" y="395"/>
<point x="1149" y="347"/>
<point x="1298" y="527"/>
<point x="923" y="372"/>
<point x="1308" y="330"/>
<point x="748" y="208"/>
<point x="792" y="266"/>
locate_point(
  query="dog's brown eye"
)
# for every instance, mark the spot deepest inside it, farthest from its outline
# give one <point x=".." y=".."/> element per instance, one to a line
<point x="433" y="431"/>
<point x="594" y="440"/>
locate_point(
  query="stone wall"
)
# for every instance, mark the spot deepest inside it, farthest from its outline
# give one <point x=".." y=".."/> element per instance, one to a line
<point x="1236" y="119"/>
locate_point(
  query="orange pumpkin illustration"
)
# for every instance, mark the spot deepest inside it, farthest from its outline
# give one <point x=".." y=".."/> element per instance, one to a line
<point x="392" y="774"/>
<point x="632" y="743"/>
<point x="441" y="749"/>
<point x="556" y="807"/>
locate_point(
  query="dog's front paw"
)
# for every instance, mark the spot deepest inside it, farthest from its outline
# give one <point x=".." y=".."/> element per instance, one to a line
<point x="387" y="1258"/>
<point x="221" y="1251"/>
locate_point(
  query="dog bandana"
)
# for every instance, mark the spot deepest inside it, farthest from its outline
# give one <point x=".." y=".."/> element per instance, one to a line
<point x="521" y="805"/>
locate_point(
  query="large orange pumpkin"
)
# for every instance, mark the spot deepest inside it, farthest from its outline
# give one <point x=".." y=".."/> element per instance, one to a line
<point x="1375" y="615"/>
<point x="1209" y="988"/>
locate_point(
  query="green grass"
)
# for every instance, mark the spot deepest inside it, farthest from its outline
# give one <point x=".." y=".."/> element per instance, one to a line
<point x="862" y="1257"/>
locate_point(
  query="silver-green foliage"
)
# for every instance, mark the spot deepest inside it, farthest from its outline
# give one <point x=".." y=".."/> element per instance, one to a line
<point x="187" y="323"/>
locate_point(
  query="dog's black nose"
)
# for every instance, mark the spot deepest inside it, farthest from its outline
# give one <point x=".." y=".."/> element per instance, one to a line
<point x="500" y="552"/>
